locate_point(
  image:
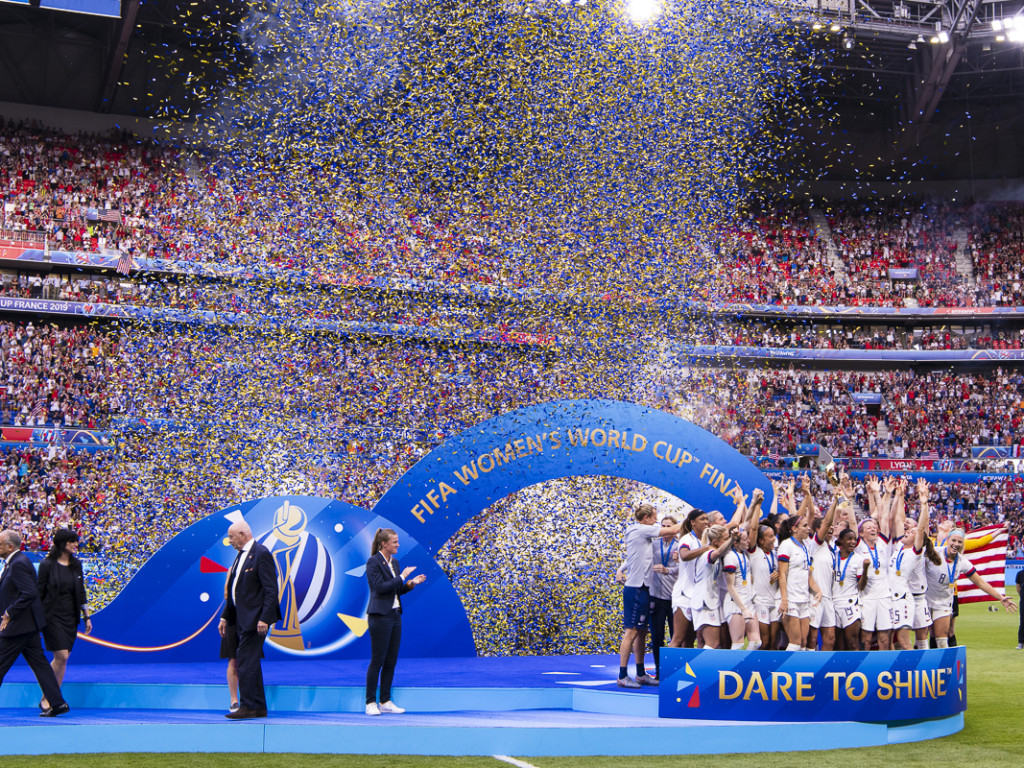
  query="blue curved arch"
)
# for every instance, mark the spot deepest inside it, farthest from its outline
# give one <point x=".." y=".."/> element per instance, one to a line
<point x="565" y="438"/>
<point x="168" y="611"/>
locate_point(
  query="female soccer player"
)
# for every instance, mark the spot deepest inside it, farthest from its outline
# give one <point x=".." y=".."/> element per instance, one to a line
<point x="689" y="549"/>
<point x="738" y="607"/>
<point x="942" y="580"/>
<point x="709" y="586"/>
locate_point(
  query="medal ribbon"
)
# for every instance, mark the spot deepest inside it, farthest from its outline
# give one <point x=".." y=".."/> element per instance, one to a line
<point x="665" y="556"/>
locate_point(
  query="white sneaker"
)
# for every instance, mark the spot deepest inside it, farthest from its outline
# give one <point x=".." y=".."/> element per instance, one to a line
<point x="391" y="708"/>
<point x="372" y="709"/>
<point x="627" y="682"/>
<point x="1020" y="646"/>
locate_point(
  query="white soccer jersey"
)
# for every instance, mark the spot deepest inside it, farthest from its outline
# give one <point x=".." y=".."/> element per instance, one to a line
<point x="762" y="566"/>
<point x="878" y="573"/>
<point x="737" y="563"/>
<point x="823" y="558"/>
<point x="845" y="577"/>
<point x="709" y="584"/>
<point x="902" y="562"/>
<point x="917" y="580"/>
<point x="942" y="578"/>
<point x="799" y="558"/>
<point x="686" y="577"/>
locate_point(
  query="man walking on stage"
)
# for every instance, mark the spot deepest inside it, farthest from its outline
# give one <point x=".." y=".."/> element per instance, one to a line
<point x="22" y="620"/>
<point x="252" y="606"/>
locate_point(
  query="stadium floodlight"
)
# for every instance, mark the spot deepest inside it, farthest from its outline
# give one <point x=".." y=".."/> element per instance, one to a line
<point x="943" y="36"/>
<point x="997" y="25"/>
<point x="643" y="11"/>
<point x="835" y="27"/>
<point x="817" y="26"/>
<point x="848" y="42"/>
<point x="912" y="46"/>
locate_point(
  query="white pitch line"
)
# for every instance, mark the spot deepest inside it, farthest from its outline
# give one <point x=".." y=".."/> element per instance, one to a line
<point x="513" y="761"/>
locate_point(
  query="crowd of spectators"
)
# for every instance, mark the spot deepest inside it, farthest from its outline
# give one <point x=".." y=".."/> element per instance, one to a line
<point x="786" y="335"/>
<point x="996" y="245"/>
<point x="921" y="415"/>
<point x="54" y="376"/>
<point x="116" y="193"/>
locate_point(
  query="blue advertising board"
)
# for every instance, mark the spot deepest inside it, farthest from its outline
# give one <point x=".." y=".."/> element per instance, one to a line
<point x="782" y="686"/>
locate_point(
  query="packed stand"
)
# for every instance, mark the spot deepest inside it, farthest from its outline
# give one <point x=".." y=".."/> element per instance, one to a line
<point x="55" y="376"/>
<point x="930" y="415"/>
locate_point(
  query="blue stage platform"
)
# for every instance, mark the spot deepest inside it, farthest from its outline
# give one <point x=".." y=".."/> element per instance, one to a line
<point x="524" y="706"/>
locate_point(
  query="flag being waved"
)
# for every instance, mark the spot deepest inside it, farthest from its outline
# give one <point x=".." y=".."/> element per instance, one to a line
<point x="986" y="549"/>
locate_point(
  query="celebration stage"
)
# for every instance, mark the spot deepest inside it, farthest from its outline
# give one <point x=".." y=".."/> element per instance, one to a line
<point x="523" y="706"/>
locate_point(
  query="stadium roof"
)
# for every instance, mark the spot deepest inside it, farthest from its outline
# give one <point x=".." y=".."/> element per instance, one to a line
<point x="888" y="81"/>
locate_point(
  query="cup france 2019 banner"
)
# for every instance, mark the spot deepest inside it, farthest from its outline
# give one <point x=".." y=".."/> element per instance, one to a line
<point x="812" y="686"/>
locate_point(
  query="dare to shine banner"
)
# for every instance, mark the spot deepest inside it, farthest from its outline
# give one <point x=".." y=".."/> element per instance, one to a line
<point x="810" y="686"/>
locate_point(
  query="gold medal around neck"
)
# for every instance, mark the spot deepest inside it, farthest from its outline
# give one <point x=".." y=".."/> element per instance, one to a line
<point x="897" y="572"/>
<point x="877" y="571"/>
<point x="744" y="582"/>
<point x="840" y="582"/>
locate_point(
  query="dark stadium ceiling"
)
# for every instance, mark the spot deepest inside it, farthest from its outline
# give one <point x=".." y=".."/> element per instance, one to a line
<point x="909" y="69"/>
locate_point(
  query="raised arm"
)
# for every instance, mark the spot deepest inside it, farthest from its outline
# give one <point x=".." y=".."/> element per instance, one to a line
<point x="885" y="508"/>
<point x="741" y="511"/>
<point x="789" y="499"/>
<point x="753" y="520"/>
<point x="923" y="520"/>
<point x="851" y="515"/>
<point x="897" y="526"/>
<point x="719" y="552"/>
<point x="807" y="509"/>
<point x="825" y="529"/>
<point x="872" y="488"/>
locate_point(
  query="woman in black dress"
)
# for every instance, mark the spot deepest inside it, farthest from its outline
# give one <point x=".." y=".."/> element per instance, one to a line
<point x="62" y="590"/>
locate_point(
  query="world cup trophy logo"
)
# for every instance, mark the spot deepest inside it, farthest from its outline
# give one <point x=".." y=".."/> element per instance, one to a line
<point x="305" y="573"/>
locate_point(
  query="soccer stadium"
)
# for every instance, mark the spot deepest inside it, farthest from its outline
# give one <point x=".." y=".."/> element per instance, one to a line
<point x="603" y="308"/>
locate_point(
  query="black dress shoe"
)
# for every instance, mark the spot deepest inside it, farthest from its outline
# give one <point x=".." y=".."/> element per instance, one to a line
<point x="244" y="713"/>
<point x="60" y="709"/>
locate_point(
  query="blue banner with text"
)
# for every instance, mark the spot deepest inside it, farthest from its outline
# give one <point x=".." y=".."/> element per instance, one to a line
<point x="781" y="686"/>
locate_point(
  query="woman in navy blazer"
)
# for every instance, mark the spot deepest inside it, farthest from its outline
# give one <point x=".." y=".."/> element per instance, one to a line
<point x="384" y="613"/>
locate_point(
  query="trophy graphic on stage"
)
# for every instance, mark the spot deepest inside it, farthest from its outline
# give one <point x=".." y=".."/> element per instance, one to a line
<point x="290" y="532"/>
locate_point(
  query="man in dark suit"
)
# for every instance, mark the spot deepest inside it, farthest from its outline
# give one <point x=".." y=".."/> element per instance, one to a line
<point x="252" y="606"/>
<point x="22" y="620"/>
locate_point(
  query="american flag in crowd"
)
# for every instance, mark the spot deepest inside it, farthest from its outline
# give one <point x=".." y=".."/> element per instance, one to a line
<point x="112" y="215"/>
<point x="39" y="409"/>
<point x="932" y="454"/>
<point x="125" y="263"/>
<point x="986" y="549"/>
